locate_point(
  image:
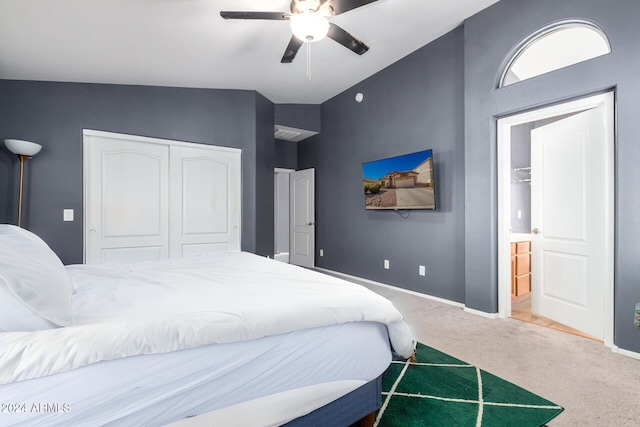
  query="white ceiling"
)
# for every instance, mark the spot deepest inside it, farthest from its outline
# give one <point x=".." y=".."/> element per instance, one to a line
<point x="185" y="43"/>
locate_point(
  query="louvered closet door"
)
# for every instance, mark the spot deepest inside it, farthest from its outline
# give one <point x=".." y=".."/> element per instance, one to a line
<point x="126" y="200"/>
<point x="205" y="200"/>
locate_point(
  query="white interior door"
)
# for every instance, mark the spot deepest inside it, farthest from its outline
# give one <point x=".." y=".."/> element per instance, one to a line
<point x="126" y="200"/>
<point x="569" y="221"/>
<point x="205" y="200"/>
<point x="302" y="218"/>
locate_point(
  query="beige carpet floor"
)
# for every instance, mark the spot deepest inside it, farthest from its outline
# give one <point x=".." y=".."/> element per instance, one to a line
<point x="595" y="386"/>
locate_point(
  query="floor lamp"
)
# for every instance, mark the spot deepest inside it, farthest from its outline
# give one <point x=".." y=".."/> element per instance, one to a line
<point x="24" y="150"/>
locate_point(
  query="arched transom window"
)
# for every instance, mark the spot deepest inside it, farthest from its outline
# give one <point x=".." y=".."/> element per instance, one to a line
<point x="556" y="46"/>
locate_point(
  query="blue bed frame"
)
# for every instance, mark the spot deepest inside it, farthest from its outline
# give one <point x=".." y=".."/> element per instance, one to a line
<point x="355" y="407"/>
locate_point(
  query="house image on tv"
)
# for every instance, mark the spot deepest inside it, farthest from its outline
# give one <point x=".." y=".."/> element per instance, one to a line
<point x="419" y="176"/>
<point x="424" y="171"/>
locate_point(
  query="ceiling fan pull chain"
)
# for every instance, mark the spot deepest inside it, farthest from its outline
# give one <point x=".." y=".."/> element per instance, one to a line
<point x="308" y="60"/>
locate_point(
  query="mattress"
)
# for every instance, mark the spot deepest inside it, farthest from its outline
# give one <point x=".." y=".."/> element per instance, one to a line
<point x="216" y="337"/>
<point x="261" y="382"/>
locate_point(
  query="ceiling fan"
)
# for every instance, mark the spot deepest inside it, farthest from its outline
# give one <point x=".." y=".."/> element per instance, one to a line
<point x="309" y="20"/>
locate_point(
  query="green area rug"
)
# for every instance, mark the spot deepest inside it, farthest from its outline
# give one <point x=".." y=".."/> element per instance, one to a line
<point x="439" y="390"/>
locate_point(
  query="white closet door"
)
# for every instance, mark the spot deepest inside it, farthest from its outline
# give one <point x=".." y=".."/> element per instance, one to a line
<point x="153" y="199"/>
<point x="126" y="200"/>
<point x="205" y="200"/>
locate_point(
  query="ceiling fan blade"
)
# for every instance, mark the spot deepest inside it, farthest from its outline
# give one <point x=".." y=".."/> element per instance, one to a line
<point x="347" y="40"/>
<point x="274" y="16"/>
<point x="342" y="6"/>
<point x="292" y="49"/>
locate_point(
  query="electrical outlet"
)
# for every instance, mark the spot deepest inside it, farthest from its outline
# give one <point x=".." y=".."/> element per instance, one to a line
<point x="422" y="270"/>
<point x="386" y="264"/>
<point x="321" y="252"/>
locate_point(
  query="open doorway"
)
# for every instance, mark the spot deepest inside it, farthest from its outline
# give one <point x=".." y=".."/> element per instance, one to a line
<point x="569" y="176"/>
<point x="281" y="214"/>
<point x="294" y="216"/>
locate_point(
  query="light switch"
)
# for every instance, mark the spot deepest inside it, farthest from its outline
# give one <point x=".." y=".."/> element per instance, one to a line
<point x="67" y="215"/>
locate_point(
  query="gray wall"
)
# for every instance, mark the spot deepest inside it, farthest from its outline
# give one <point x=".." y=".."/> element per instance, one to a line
<point x="54" y="114"/>
<point x="300" y="116"/>
<point x="286" y="154"/>
<point x="415" y="104"/>
<point x="490" y="37"/>
<point x="264" y="211"/>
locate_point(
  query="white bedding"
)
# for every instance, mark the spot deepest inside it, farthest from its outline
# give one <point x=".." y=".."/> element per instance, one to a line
<point x="157" y="307"/>
<point x="256" y="383"/>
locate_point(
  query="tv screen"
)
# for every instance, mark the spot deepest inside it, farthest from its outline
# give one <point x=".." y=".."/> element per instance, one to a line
<point x="401" y="182"/>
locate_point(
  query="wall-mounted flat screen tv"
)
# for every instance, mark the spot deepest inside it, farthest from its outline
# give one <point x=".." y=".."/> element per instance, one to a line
<point x="400" y="182"/>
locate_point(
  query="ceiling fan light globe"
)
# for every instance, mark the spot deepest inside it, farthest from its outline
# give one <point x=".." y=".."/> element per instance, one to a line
<point x="309" y="26"/>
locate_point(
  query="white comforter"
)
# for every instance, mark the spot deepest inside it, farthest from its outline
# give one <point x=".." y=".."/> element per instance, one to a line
<point x="155" y="307"/>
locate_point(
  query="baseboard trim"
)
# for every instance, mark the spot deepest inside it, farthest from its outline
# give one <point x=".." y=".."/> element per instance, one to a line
<point x="395" y="288"/>
<point x="624" y="352"/>
<point x="481" y="313"/>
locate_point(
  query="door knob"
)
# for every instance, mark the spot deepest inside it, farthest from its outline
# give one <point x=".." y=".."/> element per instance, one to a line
<point x="535" y="231"/>
<point x="311" y="223"/>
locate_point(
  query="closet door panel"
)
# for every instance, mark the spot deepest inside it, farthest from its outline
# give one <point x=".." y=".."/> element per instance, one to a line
<point x="132" y="194"/>
<point x="205" y="200"/>
<point x="127" y="201"/>
<point x="205" y="195"/>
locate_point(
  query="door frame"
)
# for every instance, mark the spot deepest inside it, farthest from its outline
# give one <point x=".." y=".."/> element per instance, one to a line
<point x="504" y="125"/>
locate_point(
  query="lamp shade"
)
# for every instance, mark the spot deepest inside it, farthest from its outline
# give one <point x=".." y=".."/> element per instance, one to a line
<point x="24" y="148"/>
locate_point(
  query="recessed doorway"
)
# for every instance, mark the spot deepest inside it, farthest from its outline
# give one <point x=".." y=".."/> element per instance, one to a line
<point x="571" y="213"/>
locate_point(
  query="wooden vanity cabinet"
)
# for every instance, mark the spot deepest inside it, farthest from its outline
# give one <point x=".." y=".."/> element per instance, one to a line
<point x="520" y="268"/>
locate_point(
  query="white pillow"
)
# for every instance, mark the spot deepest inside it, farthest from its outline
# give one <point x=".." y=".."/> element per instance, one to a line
<point x="15" y="316"/>
<point x="34" y="274"/>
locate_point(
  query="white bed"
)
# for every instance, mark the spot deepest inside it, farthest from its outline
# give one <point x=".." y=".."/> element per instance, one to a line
<point x="218" y="339"/>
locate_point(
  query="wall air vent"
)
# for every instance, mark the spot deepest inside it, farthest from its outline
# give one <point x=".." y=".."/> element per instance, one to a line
<point x="286" y="133"/>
